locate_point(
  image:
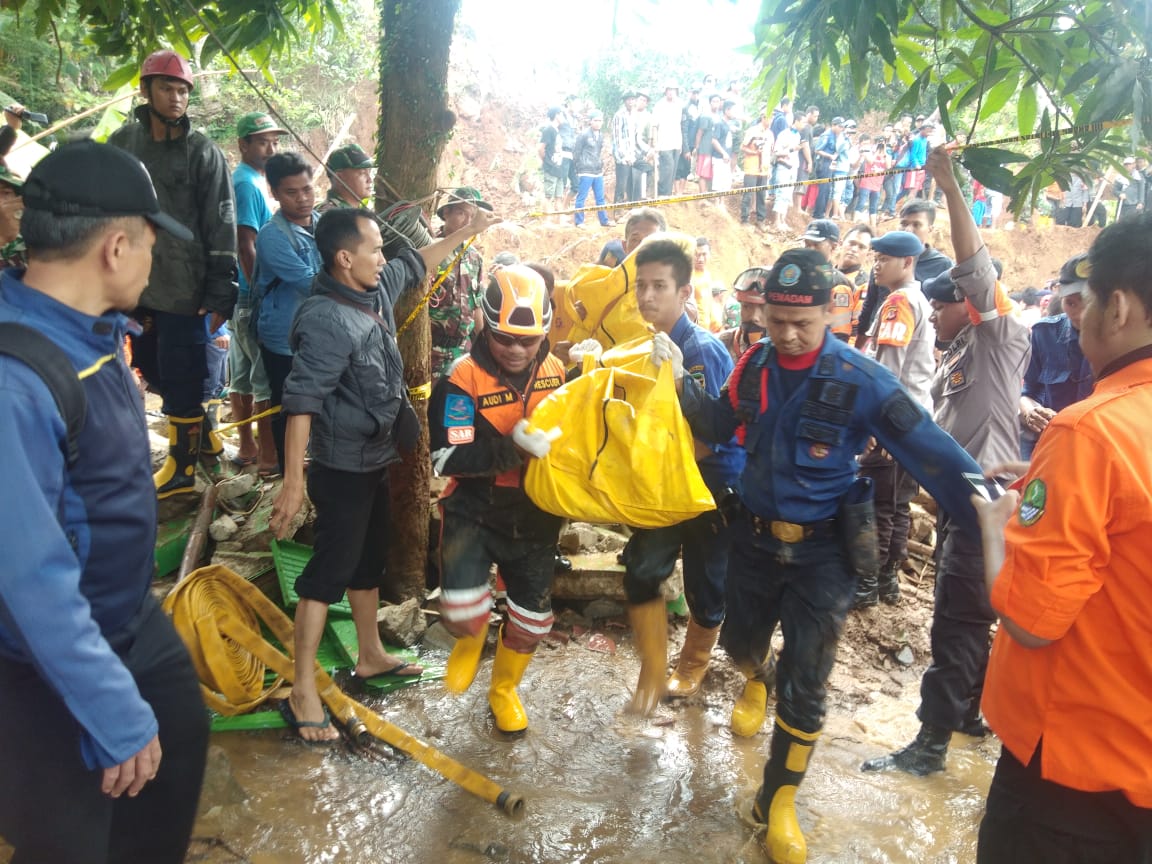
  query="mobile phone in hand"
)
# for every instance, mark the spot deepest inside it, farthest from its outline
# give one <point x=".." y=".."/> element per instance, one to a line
<point x="988" y="489"/>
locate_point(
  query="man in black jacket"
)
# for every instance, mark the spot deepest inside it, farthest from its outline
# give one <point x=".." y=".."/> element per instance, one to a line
<point x="346" y="390"/>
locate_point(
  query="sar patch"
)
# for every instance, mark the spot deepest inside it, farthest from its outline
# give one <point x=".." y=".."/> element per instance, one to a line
<point x="227" y="212"/>
<point x="461" y="434"/>
<point x="459" y="411"/>
<point x="900" y="413"/>
<point x="1033" y="503"/>
<point x="819" y="451"/>
<point x="697" y="372"/>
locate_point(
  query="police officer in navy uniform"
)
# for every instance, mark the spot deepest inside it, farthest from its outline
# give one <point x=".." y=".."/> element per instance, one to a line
<point x="1058" y="374"/>
<point x="804" y="532"/>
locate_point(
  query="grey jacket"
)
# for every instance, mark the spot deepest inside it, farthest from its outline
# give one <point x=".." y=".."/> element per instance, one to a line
<point x="346" y="368"/>
<point x="194" y="185"/>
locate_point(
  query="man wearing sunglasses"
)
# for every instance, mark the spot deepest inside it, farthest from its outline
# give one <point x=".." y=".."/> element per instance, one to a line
<point x="478" y="425"/>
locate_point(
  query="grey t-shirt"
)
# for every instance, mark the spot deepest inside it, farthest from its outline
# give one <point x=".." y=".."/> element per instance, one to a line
<point x="977" y="386"/>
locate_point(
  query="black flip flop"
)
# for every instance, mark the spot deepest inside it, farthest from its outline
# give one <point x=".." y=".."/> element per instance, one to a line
<point x="290" y="718"/>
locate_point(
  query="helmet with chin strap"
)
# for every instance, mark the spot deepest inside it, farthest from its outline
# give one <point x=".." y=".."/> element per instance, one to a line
<point x="168" y="64"/>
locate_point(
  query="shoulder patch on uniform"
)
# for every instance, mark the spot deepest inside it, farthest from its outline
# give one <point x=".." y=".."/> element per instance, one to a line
<point x="901" y="413"/>
<point x="459" y="410"/>
<point x="1033" y="503"/>
<point x="826" y="366"/>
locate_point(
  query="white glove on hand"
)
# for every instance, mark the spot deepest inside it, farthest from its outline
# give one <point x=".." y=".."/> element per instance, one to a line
<point x="665" y="350"/>
<point x="534" y="442"/>
<point x="589" y="347"/>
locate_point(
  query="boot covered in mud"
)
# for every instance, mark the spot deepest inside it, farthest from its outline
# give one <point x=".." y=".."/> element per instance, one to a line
<point x="650" y="628"/>
<point x="695" y="657"/>
<point x="925" y="755"/>
<point x="507" y="670"/>
<point x="177" y="476"/>
<point x="867" y="592"/>
<point x="776" y="800"/>
<point x="464" y="661"/>
<point x="888" y="586"/>
<point x="211" y="444"/>
<point x="751" y="708"/>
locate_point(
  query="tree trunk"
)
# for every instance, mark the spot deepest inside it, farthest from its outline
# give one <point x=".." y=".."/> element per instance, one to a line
<point x="414" y="126"/>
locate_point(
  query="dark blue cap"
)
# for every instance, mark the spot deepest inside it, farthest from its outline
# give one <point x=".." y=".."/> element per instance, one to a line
<point x="898" y="244"/>
<point x="943" y="289"/>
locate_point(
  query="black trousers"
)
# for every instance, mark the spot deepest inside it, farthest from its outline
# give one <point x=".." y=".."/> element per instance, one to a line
<point x="651" y="554"/>
<point x="351" y="552"/>
<point x="951" y="688"/>
<point x="172" y="356"/>
<point x="51" y="806"/>
<point x="668" y="159"/>
<point x="804" y="587"/>
<point x="277" y="367"/>
<point x="893" y="489"/>
<point x="1029" y="820"/>
<point x="623" y="191"/>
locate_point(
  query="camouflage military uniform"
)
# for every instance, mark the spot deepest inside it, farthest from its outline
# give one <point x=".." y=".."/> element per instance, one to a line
<point x="332" y="202"/>
<point x="451" y="310"/>
<point x="14" y="254"/>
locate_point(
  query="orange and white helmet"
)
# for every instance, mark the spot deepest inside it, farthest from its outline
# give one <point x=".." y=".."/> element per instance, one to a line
<point x="168" y="64"/>
<point x="516" y="302"/>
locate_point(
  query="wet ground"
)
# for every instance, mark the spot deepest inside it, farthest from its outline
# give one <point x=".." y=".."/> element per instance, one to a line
<point x="599" y="786"/>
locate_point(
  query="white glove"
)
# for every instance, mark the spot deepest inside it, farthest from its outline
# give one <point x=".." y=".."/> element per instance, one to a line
<point x="534" y="442"/>
<point x="589" y="347"/>
<point x="665" y="350"/>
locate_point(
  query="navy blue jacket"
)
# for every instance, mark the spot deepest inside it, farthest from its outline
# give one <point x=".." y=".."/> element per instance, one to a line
<point x="78" y="544"/>
<point x="802" y="448"/>
<point x="1058" y="375"/>
<point x="708" y="362"/>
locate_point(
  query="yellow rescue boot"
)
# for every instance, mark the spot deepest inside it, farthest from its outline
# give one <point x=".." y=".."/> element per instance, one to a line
<point x="507" y="670"/>
<point x="177" y="476"/>
<point x="694" y="659"/>
<point x="776" y="799"/>
<point x="211" y="444"/>
<point x="464" y="661"/>
<point x="751" y="708"/>
<point x="650" y="628"/>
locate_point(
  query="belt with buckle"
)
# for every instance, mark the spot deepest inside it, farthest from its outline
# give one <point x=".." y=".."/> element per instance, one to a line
<point x="792" y="532"/>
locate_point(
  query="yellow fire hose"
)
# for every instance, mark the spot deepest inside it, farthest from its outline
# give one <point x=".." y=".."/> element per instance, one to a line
<point x="217" y="614"/>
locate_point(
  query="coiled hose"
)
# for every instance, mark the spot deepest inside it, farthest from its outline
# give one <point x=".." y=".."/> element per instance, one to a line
<point x="218" y="614"/>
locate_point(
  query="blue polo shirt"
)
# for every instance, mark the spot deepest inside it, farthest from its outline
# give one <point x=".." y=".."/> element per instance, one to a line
<point x="287" y="261"/>
<point x="708" y="361"/>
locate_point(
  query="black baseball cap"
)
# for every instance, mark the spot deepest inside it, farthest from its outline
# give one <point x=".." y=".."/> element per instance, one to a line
<point x="1074" y="275"/>
<point x="819" y="230"/>
<point x="800" y="277"/>
<point x="943" y="288"/>
<point x="92" y="179"/>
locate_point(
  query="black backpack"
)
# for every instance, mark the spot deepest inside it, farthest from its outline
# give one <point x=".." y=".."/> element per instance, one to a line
<point x="48" y="360"/>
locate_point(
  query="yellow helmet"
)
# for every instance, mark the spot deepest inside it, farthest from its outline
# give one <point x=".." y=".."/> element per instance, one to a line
<point x="516" y="302"/>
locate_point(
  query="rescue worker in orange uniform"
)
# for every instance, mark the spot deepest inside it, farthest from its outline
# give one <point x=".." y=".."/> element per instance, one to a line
<point x="1069" y="684"/>
<point x="480" y="438"/>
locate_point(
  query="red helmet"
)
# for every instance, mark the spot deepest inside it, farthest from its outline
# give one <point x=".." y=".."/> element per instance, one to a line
<point x="751" y="284"/>
<point x="168" y="64"/>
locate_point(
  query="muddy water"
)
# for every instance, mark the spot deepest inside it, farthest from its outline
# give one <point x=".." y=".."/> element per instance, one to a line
<point x="599" y="787"/>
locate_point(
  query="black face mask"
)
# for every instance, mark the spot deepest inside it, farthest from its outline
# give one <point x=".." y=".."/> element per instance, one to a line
<point x="752" y="332"/>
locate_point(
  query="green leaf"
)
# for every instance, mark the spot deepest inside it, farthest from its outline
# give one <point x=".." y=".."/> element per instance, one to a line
<point x="943" y="97"/>
<point x="997" y="97"/>
<point x="1026" y="109"/>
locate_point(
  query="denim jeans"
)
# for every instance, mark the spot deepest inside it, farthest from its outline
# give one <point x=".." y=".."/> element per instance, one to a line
<point x="593" y="183"/>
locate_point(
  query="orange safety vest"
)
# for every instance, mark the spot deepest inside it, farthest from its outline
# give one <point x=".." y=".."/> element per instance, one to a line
<point x="501" y="405"/>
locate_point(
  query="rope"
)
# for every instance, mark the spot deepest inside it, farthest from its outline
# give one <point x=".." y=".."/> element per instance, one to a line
<point x="1086" y="128"/>
<point x="435" y="287"/>
<point x="219" y="615"/>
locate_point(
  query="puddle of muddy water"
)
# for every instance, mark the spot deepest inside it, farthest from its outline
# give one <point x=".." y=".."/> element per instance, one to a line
<point x="599" y="787"/>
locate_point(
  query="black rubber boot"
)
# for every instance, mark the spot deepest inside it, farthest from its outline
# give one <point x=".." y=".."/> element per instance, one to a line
<point x="973" y="723"/>
<point x="562" y="564"/>
<point x="867" y="593"/>
<point x="177" y="476"/>
<point x="923" y="756"/>
<point x="775" y="803"/>
<point x="889" y="586"/>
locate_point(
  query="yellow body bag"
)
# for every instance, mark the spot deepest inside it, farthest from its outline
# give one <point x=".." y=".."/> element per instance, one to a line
<point x="625" y="453"/>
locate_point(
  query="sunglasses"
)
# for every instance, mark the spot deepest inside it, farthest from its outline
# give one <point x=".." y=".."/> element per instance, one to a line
<point x="508" y="340"/>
